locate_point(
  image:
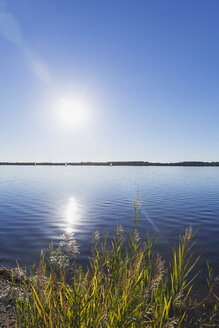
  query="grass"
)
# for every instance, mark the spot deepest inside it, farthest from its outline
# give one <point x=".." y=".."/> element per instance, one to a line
<point x="126" y="284"/>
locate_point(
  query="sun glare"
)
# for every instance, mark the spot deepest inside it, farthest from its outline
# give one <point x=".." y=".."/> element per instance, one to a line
<point x="72" y="113"/>
<point x="72" y="214"/>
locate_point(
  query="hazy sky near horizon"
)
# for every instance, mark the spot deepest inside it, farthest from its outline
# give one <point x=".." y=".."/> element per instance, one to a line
<point x="98" y="80"/>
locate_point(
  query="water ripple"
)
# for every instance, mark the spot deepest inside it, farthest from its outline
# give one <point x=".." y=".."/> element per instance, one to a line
<point x="38" y="204"/>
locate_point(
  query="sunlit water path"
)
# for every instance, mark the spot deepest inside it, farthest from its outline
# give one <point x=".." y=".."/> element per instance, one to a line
<point x="38" y="204"/>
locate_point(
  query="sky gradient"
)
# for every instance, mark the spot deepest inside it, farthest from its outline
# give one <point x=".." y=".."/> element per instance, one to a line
<point x="142" y="78"/>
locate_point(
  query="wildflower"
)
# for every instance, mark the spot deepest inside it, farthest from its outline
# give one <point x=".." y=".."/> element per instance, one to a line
<point x="120" y="232"/>
<point x="96" y="236"/>
<point x="69" y="245"/>
<point x="136" y="236"/>
<point x="188" y="235"/>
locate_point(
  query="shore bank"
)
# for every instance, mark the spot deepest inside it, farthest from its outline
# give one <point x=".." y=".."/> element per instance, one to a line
<point x="10" y="280"/>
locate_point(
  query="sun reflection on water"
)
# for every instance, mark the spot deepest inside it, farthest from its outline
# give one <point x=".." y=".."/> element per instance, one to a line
<point x="72" y="214"/>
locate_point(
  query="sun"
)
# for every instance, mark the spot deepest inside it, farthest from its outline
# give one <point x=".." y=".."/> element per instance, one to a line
<point x="72" y="112"/>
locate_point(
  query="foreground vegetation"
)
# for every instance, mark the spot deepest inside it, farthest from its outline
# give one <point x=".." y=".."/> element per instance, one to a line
<point x="125" y="285"/>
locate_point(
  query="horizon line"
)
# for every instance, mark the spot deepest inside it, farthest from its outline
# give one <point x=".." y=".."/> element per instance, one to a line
<point x="112" y="163"/>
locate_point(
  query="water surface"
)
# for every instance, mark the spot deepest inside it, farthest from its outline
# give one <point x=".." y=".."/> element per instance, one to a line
<point x="38" y="204"/>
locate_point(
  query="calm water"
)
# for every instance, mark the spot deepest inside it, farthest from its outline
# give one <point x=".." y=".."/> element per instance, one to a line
<point x="38" y="204"/>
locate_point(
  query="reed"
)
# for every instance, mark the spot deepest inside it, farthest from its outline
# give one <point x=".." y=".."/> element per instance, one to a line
<point x="126" y="284"/>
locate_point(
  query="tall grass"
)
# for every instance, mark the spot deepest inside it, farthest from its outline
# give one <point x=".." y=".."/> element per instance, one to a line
<point x="126" y="284"/>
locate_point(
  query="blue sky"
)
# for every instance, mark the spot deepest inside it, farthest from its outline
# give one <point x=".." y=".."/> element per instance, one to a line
<point x="109" y="80"/>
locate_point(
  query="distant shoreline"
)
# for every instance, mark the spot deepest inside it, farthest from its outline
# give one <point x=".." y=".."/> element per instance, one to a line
<point x="113" y="163"/>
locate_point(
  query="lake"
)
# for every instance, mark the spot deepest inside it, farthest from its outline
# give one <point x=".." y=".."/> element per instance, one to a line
<point x="38" y="204"/>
